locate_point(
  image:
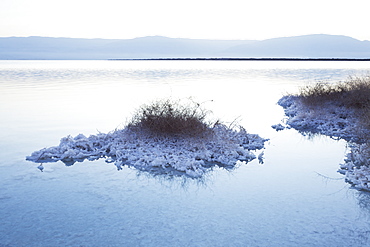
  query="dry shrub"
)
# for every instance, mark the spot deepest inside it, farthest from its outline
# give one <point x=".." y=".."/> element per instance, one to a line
<point x="363" y="127"/>
<point x="170" y="117"/>
<point x="353" y="93"/>
<point x="357" y="94"/>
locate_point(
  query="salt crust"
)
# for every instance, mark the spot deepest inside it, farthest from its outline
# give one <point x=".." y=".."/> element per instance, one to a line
<point x="184" y="155"/>
<point x="337" y="122"/>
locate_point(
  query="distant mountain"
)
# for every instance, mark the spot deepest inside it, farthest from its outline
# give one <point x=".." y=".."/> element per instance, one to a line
<point x="145" y="47"/>
<point x="307" y="46"/>
<point x="51" y="48"/>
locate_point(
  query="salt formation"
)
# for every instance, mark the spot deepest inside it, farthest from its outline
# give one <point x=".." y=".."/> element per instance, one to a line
<point x="187" y="155"/>
<point x="337" y="122"/>
<point x="356" y="166"/>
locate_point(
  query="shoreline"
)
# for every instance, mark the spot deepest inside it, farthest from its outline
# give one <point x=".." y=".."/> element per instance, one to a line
<point x="337" y="123"/>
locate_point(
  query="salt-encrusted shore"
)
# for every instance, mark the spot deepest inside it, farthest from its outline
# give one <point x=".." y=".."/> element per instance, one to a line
<point x="337" y="122"/>
<point x="191" y="156"/>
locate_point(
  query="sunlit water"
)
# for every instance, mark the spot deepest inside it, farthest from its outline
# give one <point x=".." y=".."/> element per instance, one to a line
<point x="296" y="198"/>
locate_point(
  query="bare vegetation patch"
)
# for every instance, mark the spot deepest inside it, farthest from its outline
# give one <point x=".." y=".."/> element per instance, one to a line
<point x="172" y="117"/>
<point x="353" y="94"/>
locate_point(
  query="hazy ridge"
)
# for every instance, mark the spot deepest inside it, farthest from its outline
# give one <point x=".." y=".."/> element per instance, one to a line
<point x="307" y="46"/>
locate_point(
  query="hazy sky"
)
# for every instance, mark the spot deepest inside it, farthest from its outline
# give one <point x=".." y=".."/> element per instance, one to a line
<point x="213" y="19"/>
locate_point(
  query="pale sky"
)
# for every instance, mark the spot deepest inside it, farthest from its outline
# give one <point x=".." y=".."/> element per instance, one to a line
<point x="203" y="19"/>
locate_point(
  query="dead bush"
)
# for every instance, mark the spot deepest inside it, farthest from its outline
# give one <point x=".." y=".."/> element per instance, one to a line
<point x="172" y="117"/>
<point x="353" y="93"/>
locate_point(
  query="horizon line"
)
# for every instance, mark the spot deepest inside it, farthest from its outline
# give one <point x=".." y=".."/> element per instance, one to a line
<point x="138" y="37"/>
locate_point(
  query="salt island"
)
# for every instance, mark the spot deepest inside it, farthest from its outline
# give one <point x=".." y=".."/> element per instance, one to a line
<point x="166" y="137"/>
<point x="340" y="111"/>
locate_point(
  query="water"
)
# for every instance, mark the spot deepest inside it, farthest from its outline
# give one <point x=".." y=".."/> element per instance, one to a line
<point x="296" y="198"/>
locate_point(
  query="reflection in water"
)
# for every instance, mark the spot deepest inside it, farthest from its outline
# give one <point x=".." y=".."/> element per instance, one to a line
<point x="173" y="178"/>
<point x="363" y="198"/>
<point x="164" y="173"/>
<point x="363" y="234"/>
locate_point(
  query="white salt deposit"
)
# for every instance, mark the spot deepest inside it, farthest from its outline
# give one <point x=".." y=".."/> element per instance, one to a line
<point x="356" y="166"/>
<point x="190" y="156"/>
<point x="337" y="122"/>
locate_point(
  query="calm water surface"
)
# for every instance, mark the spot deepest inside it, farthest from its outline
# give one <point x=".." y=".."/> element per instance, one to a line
<point x="296" y="198"/>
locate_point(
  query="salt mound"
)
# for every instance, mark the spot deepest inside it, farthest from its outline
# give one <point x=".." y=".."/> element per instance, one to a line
<point x="189" y="155"/>
<point x="356" y="167"/>
<point x="329" y="119"/>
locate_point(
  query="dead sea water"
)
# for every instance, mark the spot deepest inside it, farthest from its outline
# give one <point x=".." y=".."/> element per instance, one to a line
<point x="295" y="198"/>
